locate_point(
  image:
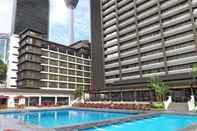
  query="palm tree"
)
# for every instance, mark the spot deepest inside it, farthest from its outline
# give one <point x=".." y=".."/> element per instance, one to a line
<point x="160" y="88"/>
<point x="3" y="71"/>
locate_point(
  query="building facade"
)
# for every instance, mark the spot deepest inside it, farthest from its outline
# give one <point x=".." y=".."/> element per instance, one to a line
<point x="4" y="40"/>
<point x="134" y="40"/>
<point x="31" y="14"/>
<point x="51" y="67"/>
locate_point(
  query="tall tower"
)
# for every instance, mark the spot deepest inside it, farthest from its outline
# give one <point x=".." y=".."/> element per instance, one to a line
<point x="71" y="5"/>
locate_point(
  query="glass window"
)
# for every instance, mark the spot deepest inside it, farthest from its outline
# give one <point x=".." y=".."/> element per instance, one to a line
<point x="63" y="71"/>
<point x="54" y="62"/>
<point x="53" y="69"/>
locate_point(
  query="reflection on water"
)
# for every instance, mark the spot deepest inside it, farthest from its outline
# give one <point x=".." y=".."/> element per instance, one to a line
<point x="63" y="117"/>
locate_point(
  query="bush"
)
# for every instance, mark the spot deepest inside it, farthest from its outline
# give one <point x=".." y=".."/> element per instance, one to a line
<point x="157" y="105"/>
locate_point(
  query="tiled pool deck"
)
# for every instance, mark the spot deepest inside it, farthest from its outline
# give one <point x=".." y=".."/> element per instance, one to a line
<point x="6" y="123"/>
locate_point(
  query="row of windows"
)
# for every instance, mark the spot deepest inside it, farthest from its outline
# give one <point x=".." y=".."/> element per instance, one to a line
<point x="63" y="85"/>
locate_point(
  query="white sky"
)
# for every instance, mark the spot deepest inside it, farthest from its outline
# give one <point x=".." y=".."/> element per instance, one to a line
<point x="5" y="15"/>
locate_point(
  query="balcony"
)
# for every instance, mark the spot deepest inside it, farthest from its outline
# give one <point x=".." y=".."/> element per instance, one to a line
<point x="154" y="74"/>
<point x="108" y="4"/>
<point x="109" y="10"/>
<point x="178" y="51"/>
<point x="110" y="43"/>
<point x="107" y="66"/>
<point x="152" y="56"/>
<point x="130" y="61"/>
<point x="180" y="71"/>
<point x="129" y="53"/>
<point x="128" y="45"/>
<point x="146" y="5"/>
<point x="127" y="22"/>
<point x="179" y="40"/>
<point x="148" y="21"/>
<point x="178" y="30"/>
<point x="147" y="13"/>
<point x="111" y="73"/>
<point x="175" y="11"/>
<point x="108" y="81"/>
<point x="177" y="20"/>
<point x="180" y="61"/>
<point x="130" y="77"/>
<point x="150" y="38"/>
<point x="153" y="66"/>
<point x="151" y="47"/>
<point x="131" y="69"/>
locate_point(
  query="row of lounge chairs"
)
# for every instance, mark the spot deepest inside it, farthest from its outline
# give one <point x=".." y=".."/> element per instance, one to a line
<point x="115" y="106"/>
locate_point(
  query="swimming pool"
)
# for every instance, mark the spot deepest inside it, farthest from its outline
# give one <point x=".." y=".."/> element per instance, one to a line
<point x="64" y="117"/>
<point x="161" y="123"/>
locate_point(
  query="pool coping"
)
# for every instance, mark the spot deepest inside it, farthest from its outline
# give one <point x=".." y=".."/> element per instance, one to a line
<point x="140" y="116"/>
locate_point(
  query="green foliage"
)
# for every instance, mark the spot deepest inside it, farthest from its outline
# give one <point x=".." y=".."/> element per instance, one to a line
<point x="160" y="88"/>
<point x="3" y="71"/>
<point x="78" y="93"/>
<point x="158" y="105"/>
<point x="194" y="70"/>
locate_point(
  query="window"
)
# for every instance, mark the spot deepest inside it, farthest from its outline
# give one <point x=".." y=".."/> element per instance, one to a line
<point x="71" y="66"/>
<point x="63" y="71"/>
<point x="71" y="72"/>
<point x="72" y="59"/>
<point x="53" y="69"/>
<point x="53" y="84"/>
<point x="71" y="79"/>
<point x="79" y="67"/>
<point x="54" y="62"/>
<point x="53" y="55"/>
<point x="44" y="76"/>
<point x="53" y="77"/>
<point x="63" y="64"/>
<point x="63" y="78"/>
<point x="71" y="86"/>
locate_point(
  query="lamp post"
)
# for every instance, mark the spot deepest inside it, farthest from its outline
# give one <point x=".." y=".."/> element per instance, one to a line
<point x="71" y="5"/>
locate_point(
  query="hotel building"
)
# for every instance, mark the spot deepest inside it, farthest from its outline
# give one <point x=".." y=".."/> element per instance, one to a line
<point x="50" y="70"/>
<point x="134" y="40"/>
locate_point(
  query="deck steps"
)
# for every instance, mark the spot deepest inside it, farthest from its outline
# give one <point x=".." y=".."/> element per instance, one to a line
<point x="178" y="107"/>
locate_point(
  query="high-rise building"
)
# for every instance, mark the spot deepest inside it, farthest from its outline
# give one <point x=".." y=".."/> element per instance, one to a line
<point x="4" y="40"/>
<point x="26" y="14"/>
<point x="134" y="40"/>
<point x="32" y="14"/>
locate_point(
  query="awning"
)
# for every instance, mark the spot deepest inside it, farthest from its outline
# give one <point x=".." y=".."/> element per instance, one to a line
<point x="19" y="97"/>
<point x="4" y="97"/>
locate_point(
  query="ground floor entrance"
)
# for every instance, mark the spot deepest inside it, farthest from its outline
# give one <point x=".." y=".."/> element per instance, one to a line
<point x="178" y="95"/>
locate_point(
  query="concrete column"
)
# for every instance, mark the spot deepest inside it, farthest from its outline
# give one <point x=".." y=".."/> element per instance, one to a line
<point x="40" y="101"/>
<point x="55" y="100"/>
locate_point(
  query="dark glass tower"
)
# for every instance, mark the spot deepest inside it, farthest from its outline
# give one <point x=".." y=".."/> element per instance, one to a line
<point x="32" y="14"/>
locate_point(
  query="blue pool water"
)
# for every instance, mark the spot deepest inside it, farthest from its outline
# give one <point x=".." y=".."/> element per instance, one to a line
<point x="59" y="118"/>
<point x="160" y="123"/>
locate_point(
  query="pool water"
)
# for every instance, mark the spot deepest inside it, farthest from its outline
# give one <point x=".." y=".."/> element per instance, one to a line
<point x="160" y="123"/>
<point x="66" y="117"/>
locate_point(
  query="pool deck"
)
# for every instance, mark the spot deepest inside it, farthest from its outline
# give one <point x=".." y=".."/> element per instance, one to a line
<point x="7" y="123"/>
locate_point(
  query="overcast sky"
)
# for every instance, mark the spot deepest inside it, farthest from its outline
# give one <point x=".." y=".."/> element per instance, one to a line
<point x="58" y="30"/>
<point x="5" y="15"/>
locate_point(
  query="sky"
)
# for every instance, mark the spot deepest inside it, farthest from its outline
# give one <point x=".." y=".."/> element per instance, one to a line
<point x="58" y="25"/>
<point x="5" y="15"/>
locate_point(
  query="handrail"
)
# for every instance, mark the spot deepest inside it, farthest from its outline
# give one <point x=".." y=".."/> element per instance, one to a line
<point x="167" y="103"/>
<point x="191" y="103"/>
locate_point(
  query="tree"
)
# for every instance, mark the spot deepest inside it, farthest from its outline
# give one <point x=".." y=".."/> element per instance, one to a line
<point x="194" y="75"/>
<point x="160" y="88"/>
<point x="78" y="93"/>
<point x="3" y="71"/>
